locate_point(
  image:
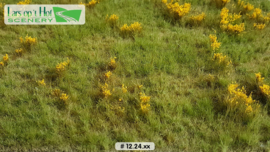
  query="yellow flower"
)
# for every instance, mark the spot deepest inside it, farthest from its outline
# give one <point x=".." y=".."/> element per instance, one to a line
<point x="124" y="89"/>
<point x="178" y="11"/>
<point x="213" y="38"/>
<point x="112" y="62"/>
<point x="19" y="50"/>
<point x="28" y="41"/>
<point x="140" y="86"/>
<point x="259" y="77"/>
<point x="198" y="18"/>
<point x="2" y="64"/>
<point x="248" y="109"/>
<point x="61" y="67"/>
<point x="108" y="74"/>
<point x="64" y="97"/>
<point x="41" y="82"/>
<point x="259" y="26"/>
<point x="232" y="88"/>
<point x="221" y="58"/>
<point x="112" y="19"/>
<point x="144" y="98"/>
<point x="265" y="89"/>
<point x="215" y="44"/>
<point x="132" y="29"/>
<point x="92" y="3"/>
<point x="105" y="91"/>
<point x="5" y="58"/>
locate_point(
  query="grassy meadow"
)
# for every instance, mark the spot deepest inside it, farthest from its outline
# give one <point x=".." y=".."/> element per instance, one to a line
<point x="86" y="87"/>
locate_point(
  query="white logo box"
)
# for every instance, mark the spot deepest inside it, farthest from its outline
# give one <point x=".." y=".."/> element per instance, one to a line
<point x="44" y="14"/>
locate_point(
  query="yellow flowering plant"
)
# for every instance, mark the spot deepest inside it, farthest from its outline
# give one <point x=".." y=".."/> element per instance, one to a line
<point x="124" y="88"/>
<point x="5" y="58"/>
<point x="41" y="82"/>
<point x="244" y="7"/>
<point x="64" y="97"/>
<point x="112" y="20"/>
<point x="259" y="77"/>
<point x="112" y="63"/>
<point x="131" y="30"/>
<point x="19" y="51"/>
<point x="62" y="67"/>
<point x="2" y="64"/>
<point x="259" y="26"/>
<point x="214" y="43"/>
<point x="175" y="10"/>
<point x="28" y="42"/>
<point x="227" y="21"/>
<point x="144" y="103"/>
<point x="105" y="91"/>
<point x="197" y="19"/>
<point x="239" y="103"/>
<point x="108" y="74"/>
<point x="90" y="4"/>
<point x="221" y="64"/>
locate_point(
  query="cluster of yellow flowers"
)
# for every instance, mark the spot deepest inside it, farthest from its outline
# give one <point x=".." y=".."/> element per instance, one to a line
<point x="5" y="60"/>
<point x="41" y="82"/>
<point x="239" y="98"/>
<point x="178" y="11"/>
<point x="124" y="88"/>
<point x="61" y="67"/>
<point x="236" y="28"/>
<point x="144" y="102"/>
<point x="19" y="51"/>
<point x="108" y="74"/>
<point x="256" y="14"/>
<point x="2" y="65"/>
<point x="259" y="77"/>
<point x="227" y="20"/>
<point x="259" y="26"/>
<point x="112" y="20"/>
<point x="132" y="29"/>
<point x="265" y="89"/>
<point x="112" y="63"/>
<point x="221" y="59"/>
<point x="62" y="96"/>
<point x="28" y="41"/>
<point x="105" y="91"/>
<point x="91" y="3"/>
<point x="24" y="2"/>
<point x="246" y="6"/>
<point x="214" y="43"/>
<point x="198" y="18"/>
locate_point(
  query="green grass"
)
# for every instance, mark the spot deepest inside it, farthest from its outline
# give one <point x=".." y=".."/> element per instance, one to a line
<point x="171" y="61"/>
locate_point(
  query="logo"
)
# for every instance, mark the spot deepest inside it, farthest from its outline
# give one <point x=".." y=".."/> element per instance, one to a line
<point x="63" y="15"/>
<point x="44" y="14"/>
